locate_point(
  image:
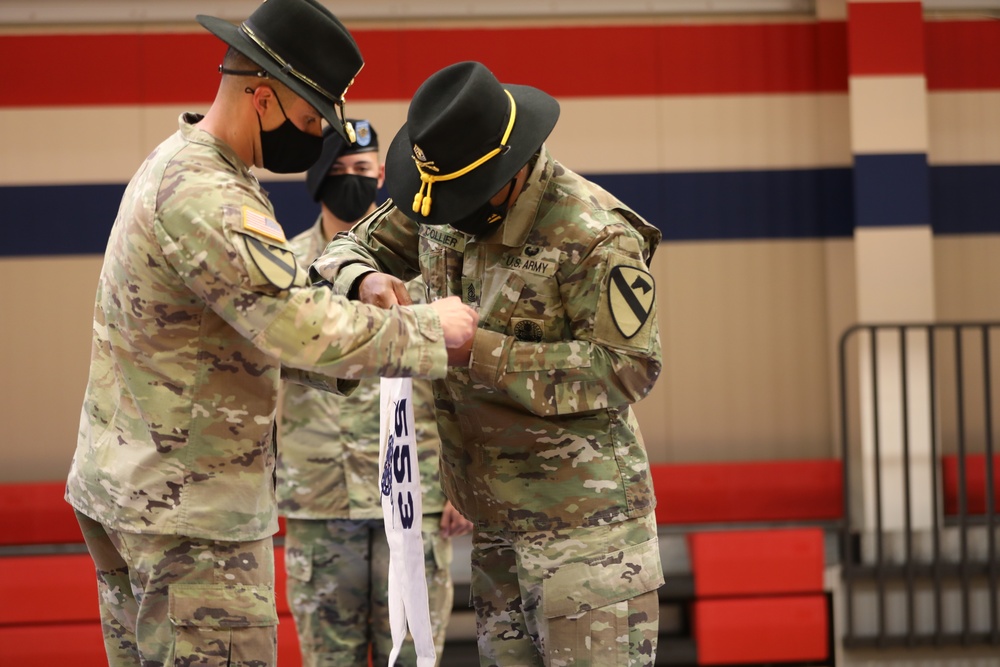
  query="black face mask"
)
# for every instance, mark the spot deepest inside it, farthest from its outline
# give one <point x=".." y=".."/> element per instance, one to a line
<point x="348" y="196"/>
<point x="485" y="219"/>
<point x="286" y="149"/>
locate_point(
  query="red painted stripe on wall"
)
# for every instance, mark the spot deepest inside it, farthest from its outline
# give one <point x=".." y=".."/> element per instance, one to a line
<point x="179" y="68"/>
<point x="885" y="38"/>
<point x="963" y="55"/>
<point x="109" y="69"/>
<point x="579" y="61"/>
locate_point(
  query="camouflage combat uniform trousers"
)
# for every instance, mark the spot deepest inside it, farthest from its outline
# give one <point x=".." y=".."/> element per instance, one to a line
<point x="337" y="589"/>
<point x="175" y="600"/>
<point x="580" y="596"/>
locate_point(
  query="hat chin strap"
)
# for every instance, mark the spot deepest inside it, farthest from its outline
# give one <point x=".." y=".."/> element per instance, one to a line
<point x="422" y="200"/>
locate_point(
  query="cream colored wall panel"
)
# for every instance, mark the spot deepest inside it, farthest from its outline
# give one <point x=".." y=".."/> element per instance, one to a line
<point x="888" y="114"/>
<point x="964" y="127"/>
<point x="746" y="343"/>
<point x="967" y="277"/>
<point x="157" y="123"/>
<point x="607" y="135"/>
<point x="831" y="10"/>
<point x="833" y="132"/>
<point x="45" y="358"/>
<point x="895" y="274"/>
<point x="753" y="132"/>
<point x="53" y="146"/>
<point x="726" y="132"/>
<point x="841" y="313"/>
<point x="70" y="145"/>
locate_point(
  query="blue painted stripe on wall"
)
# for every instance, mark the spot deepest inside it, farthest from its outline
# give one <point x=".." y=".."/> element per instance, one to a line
<point x="77" y="219"/>
<point x="58" y="219"/>
<point x="965" y="199"/>
<point x="892" y="190"/>
<point x="773" y="204"/>
<point x="792" y="204"/>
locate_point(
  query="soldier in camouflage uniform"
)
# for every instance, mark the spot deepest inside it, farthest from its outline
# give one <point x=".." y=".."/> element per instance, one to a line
<point x="200" y="306"/>
<point x="540" y="446"/>
<point x="336" y="552"/>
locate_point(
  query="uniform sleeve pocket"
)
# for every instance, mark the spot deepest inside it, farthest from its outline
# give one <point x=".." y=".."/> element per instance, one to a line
<point x="576" y="397"/>
<point x="217" y="606"/>
<point x="577" y="588"/>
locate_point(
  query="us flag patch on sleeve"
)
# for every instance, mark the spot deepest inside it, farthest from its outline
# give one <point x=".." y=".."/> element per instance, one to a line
<point x="259" y="222"/>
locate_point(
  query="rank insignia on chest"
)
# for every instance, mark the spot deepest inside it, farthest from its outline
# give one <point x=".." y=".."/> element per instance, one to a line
<point x="262" y="224"/>
<point x="471" y="291"/>
<point x="630" y="296"/>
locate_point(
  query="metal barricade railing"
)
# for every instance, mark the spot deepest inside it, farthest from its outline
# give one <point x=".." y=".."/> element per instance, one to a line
<point x="918" y="392"/>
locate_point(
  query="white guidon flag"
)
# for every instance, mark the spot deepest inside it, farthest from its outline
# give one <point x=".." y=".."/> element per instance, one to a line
<point x="402" y="510"/>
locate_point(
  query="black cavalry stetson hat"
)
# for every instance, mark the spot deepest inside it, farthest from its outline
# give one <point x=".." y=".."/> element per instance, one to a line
<point x="302" y="45"/>
<point x="466" y="135"/>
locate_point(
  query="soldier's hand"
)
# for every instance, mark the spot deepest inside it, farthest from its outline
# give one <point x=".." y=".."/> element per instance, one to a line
<point x="383" y="290"/>
<point x="458" y="321"/>
<point x="453" y="523"/>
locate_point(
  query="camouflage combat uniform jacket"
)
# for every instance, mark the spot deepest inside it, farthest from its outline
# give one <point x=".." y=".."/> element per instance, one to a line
<point x="199" y="304"/>
<point x="328" y="445"/>
<point x="538" y="433"/>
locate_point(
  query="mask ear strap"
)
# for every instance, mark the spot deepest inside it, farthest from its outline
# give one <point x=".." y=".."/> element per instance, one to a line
<point x="259" y="73"/>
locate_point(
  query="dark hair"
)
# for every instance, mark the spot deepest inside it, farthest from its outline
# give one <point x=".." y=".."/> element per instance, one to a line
<point x="235" y="60"/>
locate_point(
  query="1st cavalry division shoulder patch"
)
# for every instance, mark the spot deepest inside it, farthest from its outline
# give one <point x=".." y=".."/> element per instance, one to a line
<point x="277" y="264"/>
<point x="630" y="297"/>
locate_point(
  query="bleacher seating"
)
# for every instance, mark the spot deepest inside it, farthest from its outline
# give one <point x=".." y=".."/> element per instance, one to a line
<point x="759" y="596"/>
<point x="49" y="588"/>
<point x="756" y="548"/>
<point x="975" y="484"/>
<point x="748" y="491"/>
<point x="754" y="536"/>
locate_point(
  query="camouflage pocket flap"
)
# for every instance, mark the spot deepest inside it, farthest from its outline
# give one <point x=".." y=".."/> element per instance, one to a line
<point x="613" y="577"/>
<point x="221" y="606"/>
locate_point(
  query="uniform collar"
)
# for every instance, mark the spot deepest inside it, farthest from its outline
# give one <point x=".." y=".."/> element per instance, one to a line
<point x="195" y="135"/>
<point x="521" y="218"/>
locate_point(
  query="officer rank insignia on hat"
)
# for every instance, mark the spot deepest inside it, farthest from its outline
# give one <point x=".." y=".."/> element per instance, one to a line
<point x="630" y="297"/>
<point x="364" y="133"/>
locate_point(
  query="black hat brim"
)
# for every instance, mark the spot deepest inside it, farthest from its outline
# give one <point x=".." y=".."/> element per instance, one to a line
<point x="537" y="113"/>
<point x="234" y="37"/>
